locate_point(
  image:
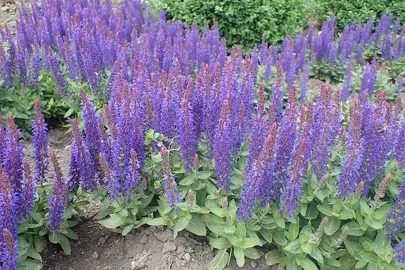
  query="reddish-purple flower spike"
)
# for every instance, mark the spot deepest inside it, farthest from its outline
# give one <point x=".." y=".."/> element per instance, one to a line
<point x="278" y="93"/>
<point x="369" y="79"/>
<point x="3" y="133"/>
<point x="9" y="254"/>
<point x="59" y="198"/>
<point x="223" y="148"/>
<point x="28" y="193"/>
<point x="257" y="175"/>
<point x="112" y="185"/>
<point x="345" y="91"/>
<point x="92" y="131"/>
<point x="386" y="48"/>
<point x="285" y="144"/>
<point x="133" y="176"/>
<point x="170" y="186"/>
<point x="324" y="131"/>
<point x="40" y="141"/>
<point x="304" y="83"/>
<point x="258" y="130"/>
<point x="186" y="128"/>
<point x="348" y="179"/>
<point x="112" y="127"/>
<point x="13" y="160"/>
<point x="60" y="81"/>
<point x="293" y="187"/>
<point x="81" y="157"/>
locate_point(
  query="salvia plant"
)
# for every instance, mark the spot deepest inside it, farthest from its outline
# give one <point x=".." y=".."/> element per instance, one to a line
<point x="224" y="145"/>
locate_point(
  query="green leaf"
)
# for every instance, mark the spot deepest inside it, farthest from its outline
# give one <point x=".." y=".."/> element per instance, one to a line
<point x="279" y="238"/>
<point x="69" y="113"/>
<point x="103" y="212"/>
<point x="294" y="230"/>
<point x="188" y="180"/>
<point x="156" y="158"/>
<point x="248" y="243"/>
<point x="307" y="264"/>
<point x="220" y="260"/>
<point x="54" y="237"/>
<point x="218" y="229"/>
<point x="370" y="257"/>
<point x="364" y="208"/>
<point x="312" y="212"/>
<point x="220" y="243"/>
<point x="32" y="253"/>
<point x="254" y="236"/>
<point x="273" y="257"/>
<point x="127" y="229"/>
<point x="252" y="253"/>
<point x="353" y="248"/>
<point x="333" y="262"/>
<point x="64" y="243"/>
<point x="306" y="247"/>
<point x="347" y="214"/>
<point x="181" y="223"/>
<point x="71" y="234"/>
<point x="294" y="247"/>
<point x="113" y="222"/>
<point x="155" y="221"/>
<point x="229" y="229"/>
<point x="355" y="229"/>
<point x="239" y="256"/>
<point x="326" y="210"/>
<point x="197" y="226"/>
<point x="375" y="224"/>
<point x="240" y="230"/>
<point x="267" y="235"/>
<point x="381" y="239"/>
<point x="332" y="226"/>
<point x="360" y="264"/>
<point x="204" y="175"/>
<point x="317" y="255"/>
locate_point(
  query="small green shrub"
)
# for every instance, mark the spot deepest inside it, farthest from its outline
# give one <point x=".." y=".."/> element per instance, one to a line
<point x="241" y="22"/>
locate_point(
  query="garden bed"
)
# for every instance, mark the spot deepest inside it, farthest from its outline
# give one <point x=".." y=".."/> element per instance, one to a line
<point x="146" y="248"/>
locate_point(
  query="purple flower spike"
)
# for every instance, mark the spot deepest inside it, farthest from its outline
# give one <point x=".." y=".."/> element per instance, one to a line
<point x="13" y="160"/>
<point x="93" y="136"/>
<point x="40" y="140"/>
<point x="28" y="194"/>
<point x="350" y="173"/>
<point x="293" y="187"/>
<point x="399" y="252"/>
<point x="59" y="198"/>
<point x="256" y="175"/>
<point x="223" y="148"/>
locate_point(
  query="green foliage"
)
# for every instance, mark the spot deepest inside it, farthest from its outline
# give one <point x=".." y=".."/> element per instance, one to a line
<point x="348" y="11"/>
<point x="395" y="68"/>
<point x="241" y="22"/>
<point x="323" y="71"/>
